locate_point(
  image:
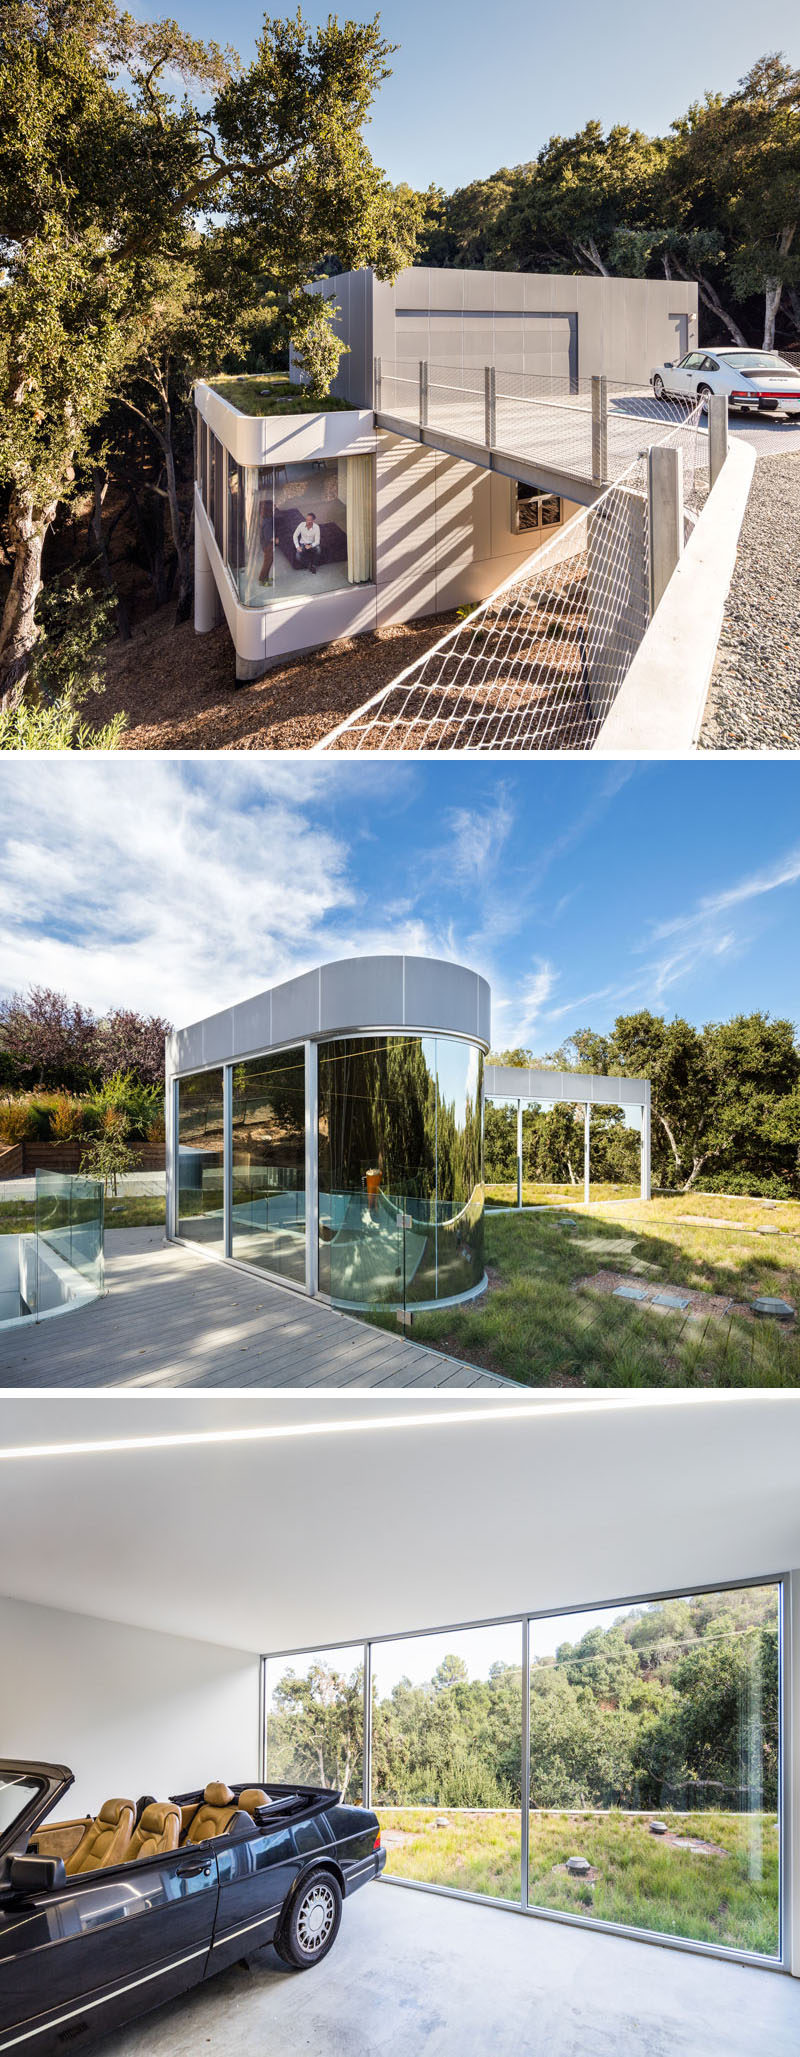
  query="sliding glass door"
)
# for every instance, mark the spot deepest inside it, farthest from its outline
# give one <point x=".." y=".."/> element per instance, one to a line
<point x="268" y="1206"/>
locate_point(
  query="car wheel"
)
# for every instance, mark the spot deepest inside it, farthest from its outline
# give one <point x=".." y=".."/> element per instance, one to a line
<point x="659" y="387"/>
<point x="704" y="394"/>
<point x="310" y="1928"/>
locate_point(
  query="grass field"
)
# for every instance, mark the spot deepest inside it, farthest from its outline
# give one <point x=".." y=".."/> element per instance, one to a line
<point x="129" y="1210"/>
<point x="540" y="1325"/>
<point x="727" y="1894"/>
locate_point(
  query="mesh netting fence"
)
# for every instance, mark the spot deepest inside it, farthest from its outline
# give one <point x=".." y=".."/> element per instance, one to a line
<point x="538" y="664"/>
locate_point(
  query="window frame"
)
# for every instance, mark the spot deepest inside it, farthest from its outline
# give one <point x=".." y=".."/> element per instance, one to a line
<point x="523" y="1905"/>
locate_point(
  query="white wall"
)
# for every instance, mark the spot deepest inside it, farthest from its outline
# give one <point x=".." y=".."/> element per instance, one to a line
<point x="130" y="1711"/>
<point x="444" y="535"/>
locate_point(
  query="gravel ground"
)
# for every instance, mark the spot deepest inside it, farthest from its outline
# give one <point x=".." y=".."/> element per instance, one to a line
<point x="179" y="690"/>
<point x="754" y="699"/>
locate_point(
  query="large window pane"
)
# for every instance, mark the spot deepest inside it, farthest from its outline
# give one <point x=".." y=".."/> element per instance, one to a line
<point x="377" y="1169"/>
<point x="654" y="1763"/>
<point x="302" y="530"/>
<point x="269" y="1201"/>
<point x="315" y="1720"/>
<point x="446" y="1758"/>
<point x="401" y="1204"/>
<point x="200" y="1158"/>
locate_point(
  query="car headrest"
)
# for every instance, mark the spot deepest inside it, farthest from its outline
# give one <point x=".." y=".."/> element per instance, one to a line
<point x="112" y="1809"/>
<point x="157" y="1816"/>
<point x="147" y="1800"/>
<point x="252" y="1798"/>
<point x="218" y="1795"/>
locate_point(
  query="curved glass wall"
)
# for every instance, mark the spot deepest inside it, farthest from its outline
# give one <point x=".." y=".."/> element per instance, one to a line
<point x="268" y="1107"/>
<point x="201" y="1180"/>
<point x="400" y="1201"/>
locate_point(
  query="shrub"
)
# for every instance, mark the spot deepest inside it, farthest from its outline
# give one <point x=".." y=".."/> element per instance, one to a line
<point x="67" y="665"/>
<point x="110" y="1153"/>
<point x="746" y="1184"/>
<point x="22" y="1119"/>
<point x="124" y="1093"/>
<point x="66" y="1118"/>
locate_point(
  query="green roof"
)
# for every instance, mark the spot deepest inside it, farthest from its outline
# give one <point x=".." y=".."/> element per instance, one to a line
<point x="270" y="393"/>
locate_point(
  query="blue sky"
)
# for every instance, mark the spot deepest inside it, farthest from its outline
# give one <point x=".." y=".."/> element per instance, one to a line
<point x="580" y="890"/>
<point x="475" y="88"/>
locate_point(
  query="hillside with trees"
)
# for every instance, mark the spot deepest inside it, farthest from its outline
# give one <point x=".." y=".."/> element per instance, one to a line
<point x="162" y="207"/>
<point x="670" y="1706"/>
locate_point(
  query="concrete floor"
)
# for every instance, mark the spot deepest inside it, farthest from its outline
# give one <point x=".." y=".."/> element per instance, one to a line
<point x="414" y="1973"/>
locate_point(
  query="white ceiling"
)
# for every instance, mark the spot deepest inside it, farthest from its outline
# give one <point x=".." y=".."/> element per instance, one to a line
<point x="320" y="1537"/>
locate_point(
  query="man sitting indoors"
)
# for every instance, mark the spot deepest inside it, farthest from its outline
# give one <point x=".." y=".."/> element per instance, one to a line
<point x="306" y="540"/>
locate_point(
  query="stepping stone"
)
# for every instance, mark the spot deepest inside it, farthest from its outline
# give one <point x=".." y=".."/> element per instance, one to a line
<point x="629" y="1293"/>
<point x="781" y="1308"/>
<point x="578" y="1866"/>
<point x="671" y="1300"/>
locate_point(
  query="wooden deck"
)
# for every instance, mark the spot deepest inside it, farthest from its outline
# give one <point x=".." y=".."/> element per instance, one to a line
<point x="172" y="1317"/>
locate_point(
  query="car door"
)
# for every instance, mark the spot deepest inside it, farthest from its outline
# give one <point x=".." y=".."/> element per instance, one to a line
<point x="103" y="1947"/>
<point x="255" y="1875"/>
<point x="688" y="373"/>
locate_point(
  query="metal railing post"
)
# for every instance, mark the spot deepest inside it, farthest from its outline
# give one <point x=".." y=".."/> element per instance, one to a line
<point x="599" y="429"/>
<point x="423" y="393"/>
<point x="490" y="406"/>
<point x="377" y="384"/>
<point x="665" y="516"/>
<point x="717" y="435"/>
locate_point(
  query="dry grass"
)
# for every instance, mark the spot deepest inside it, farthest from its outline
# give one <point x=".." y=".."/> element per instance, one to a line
<point x="179" y="690"/>
<point x="727" y="1893"/>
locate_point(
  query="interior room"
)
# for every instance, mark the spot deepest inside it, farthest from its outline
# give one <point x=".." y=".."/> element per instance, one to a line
<point x="392" y="1555"/>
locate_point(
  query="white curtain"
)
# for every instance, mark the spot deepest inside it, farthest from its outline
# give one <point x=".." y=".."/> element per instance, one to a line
<point x="358" y="500"/>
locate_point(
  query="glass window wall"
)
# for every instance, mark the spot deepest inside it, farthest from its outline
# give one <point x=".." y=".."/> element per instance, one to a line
<point x="653" y="1782"/>
<point x="269" y="1134"/>
<point x="300" y="529"/>
<point x="447" y="1758"/>
<point x="315" y="1720"/>
<point x="201" y="1158"/>
<point x="401" y="1201"/>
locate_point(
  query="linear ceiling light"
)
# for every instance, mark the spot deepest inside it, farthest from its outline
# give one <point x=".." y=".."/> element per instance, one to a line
<point x="469" y="1416"/>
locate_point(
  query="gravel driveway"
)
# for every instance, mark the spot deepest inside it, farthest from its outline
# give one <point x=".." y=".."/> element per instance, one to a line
<point x="754" y="698"/>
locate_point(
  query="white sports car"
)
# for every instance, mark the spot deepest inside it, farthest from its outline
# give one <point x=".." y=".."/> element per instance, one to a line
<point x="756" y="381"/>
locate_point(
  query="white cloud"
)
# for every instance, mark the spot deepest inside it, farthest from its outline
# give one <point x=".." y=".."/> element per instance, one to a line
<point x="176" y="887"/>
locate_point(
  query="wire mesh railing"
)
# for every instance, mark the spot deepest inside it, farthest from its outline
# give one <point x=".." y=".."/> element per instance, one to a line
<point x="588" y="428"/>
<point x="538" y="664"/>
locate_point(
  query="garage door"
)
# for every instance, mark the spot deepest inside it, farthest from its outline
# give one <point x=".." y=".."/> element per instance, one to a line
<point x="513" y="341"/>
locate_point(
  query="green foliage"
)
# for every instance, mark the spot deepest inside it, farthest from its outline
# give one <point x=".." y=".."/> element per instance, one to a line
<point x="110" y="1153"/>
<point x="716" y="201"/>
<point x="317" y="347"/>
<point x="67" y="665"/>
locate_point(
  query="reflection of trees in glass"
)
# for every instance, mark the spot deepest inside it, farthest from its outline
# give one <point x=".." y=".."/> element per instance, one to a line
<point x="269" y="1111"/>
<point x="315" y="1729"/>
<point x="378" y="1109"/>
<point x="200" y="1110"/>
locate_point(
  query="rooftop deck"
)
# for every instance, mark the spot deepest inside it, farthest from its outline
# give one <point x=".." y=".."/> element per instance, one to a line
<point x="173" y="1317"/>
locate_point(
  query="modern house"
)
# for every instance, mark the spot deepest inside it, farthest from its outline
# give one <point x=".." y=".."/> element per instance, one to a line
<point x="329" y="1131"/>
<point x="473" y="414"/>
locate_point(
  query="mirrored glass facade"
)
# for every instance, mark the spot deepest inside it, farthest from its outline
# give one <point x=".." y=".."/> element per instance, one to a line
<point x="651" y="1794"/>
<point x="268" y="1121"/>
<point x="200" y="1199"/>
<point x="400" y="1195"/>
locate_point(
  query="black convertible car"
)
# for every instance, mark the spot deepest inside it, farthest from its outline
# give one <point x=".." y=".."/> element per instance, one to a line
<point x="105" y="1917"/>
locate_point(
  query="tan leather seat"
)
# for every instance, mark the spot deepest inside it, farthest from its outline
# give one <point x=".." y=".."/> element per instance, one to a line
<point x="106" y="1838"/>
<point x="252" y="1798"/>
<point x="158" y="1831"/>
<point x="214" y="1814"/>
